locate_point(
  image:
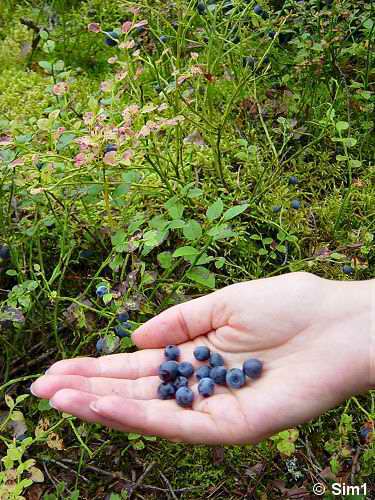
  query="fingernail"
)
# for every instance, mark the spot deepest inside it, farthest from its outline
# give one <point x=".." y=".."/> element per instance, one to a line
<point x="93" y="407"/>
<point x="51" y="404"/>
<point x="46" y="372"/>
<point x="31" y="390"/>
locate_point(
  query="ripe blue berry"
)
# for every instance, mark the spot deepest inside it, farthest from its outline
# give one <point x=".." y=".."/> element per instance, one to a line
<point x="276" y="209"/>
<point x="101" y="290"/>
<point x="168" y="371"/>
<point x="181" y="382"/>
<point x="201" y="353"/>
<point x="216" y="359"/>
<point x="206" y="387"/>
<point x="109" y="148"/>
<point x="253" y="368"/>
<point x="202" y="372"/>
<point x="163" y="39"/>
<point x="293" y="181"/>
<point x="21" y="437"/>
<point x="347" y="269"/>
<point x="122" y="317"/>
<point x="201" y="7"/>
<point x="172" y="352"/>
<point x="123" y="330"/>
<point x="296" y="204"/>
<point x="258" y="10"/>
<point x="4" y="252"/>
<point x="235" y="378"/>
<point x="109" y="39"/>
<point x="99" y="345"/>
<point x="184" y="396"/>
<point x="185" y="369"/>
<point x="166" y="391"/>
<point x="218" y="374"/>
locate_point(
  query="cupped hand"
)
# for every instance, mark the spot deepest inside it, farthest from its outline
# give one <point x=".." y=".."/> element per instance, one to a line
<point x="313" y="336"/>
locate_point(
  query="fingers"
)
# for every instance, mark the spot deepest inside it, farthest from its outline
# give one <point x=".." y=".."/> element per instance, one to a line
<point x="129" y="365"/>
<point x="182" y="322"/>
<point x="142" y="388"/>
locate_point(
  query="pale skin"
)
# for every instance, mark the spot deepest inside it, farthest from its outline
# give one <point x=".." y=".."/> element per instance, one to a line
<point x="315" y="337"/>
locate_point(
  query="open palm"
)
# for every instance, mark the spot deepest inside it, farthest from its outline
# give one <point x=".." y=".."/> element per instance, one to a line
<point x="299" y="325"/>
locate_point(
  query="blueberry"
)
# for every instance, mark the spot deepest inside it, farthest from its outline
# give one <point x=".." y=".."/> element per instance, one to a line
<point x="218" y="374"/>
<point x="122" y="317"/>
<point x="100" y="345"/>
<point x="21" y="437"/>
<point x="271" y="34"/>
<point x="253" y="368"/>
<point x="181" y="382"/>
<point x="276" y="209"/>
<point x="347" y="269"/>
<point x="123" y="330"/>
<point x="163" y="39"/>
<point x="184" y="396"/>
<point x="185" y="369"/>
<point x="202" y="372"/>
<point x="166" y="391"/>
<point x="109" y="148"/>
<point x="206" y="387"/>
<point x="201" y="353"/>
<point x="140" y="29"/>
<point x="39" y="165"/>
<point x="235" y="378"/>
<point x="216" y="359"/>
<point x="284" y="38"/>
<point x="4" y="252"/>
<point x="101" y="290"/>
<point x="168" y="371"/>
<point x="201" y="7"/>
<point x="293" y="181"/>
<point x="109" y="39"/>
<point x="260" y="12"/>
<point x="296" y="204"/>
<point x="172" y="352"/>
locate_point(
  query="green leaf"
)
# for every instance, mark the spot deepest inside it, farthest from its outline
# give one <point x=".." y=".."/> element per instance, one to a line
<point x="185" y="251"/>
<point x="202" y="276"/>
<point x="234" y="211"/>
<point x="192" y="230"/>
<point x="44" y="405"/>
<point x="158" y="222"/>
<point x="215" y="210"/>
<point x="11" y="272"/>
<point x="341" y="126"/>
<point x="165" y="259"/>
<point x="176" y="224"/>
<point x="175" y="208"/>
<point x="132" y="436"/>
<point x="221" y="232"/>
<point x="45" y="65"/>
<point x="195" y="193"/>
<point x="286" y="447"/>
<point x="349" y="142"/>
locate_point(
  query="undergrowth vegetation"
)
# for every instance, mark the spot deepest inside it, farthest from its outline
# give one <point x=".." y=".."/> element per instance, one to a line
<point x="165" y="150"/>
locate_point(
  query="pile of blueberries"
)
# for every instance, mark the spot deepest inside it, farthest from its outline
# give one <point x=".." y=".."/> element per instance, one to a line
<point x="175" y="376"/>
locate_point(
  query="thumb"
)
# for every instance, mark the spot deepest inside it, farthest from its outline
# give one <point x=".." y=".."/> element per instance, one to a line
<point x="181" y="323"/>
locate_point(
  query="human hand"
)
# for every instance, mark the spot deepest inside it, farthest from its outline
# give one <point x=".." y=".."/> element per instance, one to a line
<point x="312" y="334"/>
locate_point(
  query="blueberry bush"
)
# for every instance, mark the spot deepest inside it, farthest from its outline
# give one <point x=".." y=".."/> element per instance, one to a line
<point x="151" y="152"/>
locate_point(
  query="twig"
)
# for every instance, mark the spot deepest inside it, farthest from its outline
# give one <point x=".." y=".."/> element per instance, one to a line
<point x="53" y="481"/>
<point x="354" y="464"/>
<point x="63" y="466"/>
<point x="141" y="478"/>
<point x="169" y="486"/>
<point x="33" y="362"/>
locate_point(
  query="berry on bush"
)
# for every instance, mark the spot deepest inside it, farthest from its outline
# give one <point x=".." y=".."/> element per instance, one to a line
<point x="235" y="378"/>
<point x="112" y="39"/>
<point x="123" y="330"/>
<point x="122" y="317"/>
<point x="202" y="372"/>
<point x="201" y="7"/>
<point x="99" y="345"/>
<point x="253" y="368"/>
<point x="184" y="396"/>
<point x="201" y="353"/>
<point x="347" y="269"/>
<point x="181" y="382"/>
<point x="101" y="290"/>
<point x="276" y="209"/>
<point x="4" y="252"/>
<point x="296" y="204"/>
<point x="109" y="148"/>
<point x="216" y="359"/>
<point x="218" y="374"/>
<point x="163" y="38"/>
<point x="172" y="352"/>
<point x="166" y="391"/>
<point x="185" y="369"/>
<point x="293" y="181"/>
<point x="168" y="371"/>
<point x="206" y="387"/>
